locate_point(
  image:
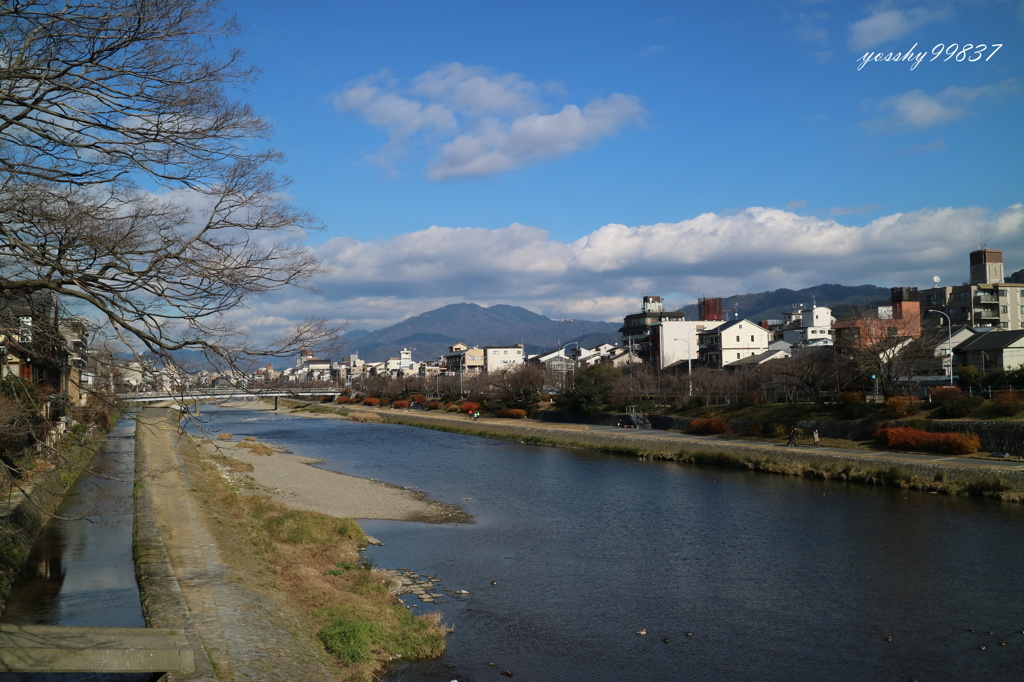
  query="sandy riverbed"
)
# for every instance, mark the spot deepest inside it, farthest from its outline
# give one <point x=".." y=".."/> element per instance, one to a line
<point x="295" y="482"/>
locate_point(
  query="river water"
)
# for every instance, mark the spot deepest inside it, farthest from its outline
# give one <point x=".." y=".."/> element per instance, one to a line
<point x="777" y="578"/>
<point x="80" y="570"/>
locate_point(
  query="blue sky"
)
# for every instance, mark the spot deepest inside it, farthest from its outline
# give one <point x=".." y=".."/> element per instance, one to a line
<point x="571" y="157"/>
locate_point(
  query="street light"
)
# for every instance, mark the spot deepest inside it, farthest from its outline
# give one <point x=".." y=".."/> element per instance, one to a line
<point x="949" y="329"/>
<point x="689" y="364"/>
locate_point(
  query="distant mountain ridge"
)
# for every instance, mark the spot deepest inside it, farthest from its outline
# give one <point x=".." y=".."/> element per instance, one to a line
<point x="770" y="305"/>
<point x="430" y="334"/>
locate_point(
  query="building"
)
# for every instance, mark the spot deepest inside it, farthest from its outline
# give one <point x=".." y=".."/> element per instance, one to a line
<point x="732" y="341"/>
<point x="663" y="339"/>
<point x="499" y="358"/>
<point x="677" y="342"/>
<point x="461" y="359"/>
<point x="807" y="326"/>
<point x="888" y="327"/>
<point x="636" y="328"/>
<point x="985" y="301"/>
<point x="993" y="350"/>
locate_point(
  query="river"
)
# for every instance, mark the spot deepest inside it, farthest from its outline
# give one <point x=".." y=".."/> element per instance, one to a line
<point x="747" y="576"/>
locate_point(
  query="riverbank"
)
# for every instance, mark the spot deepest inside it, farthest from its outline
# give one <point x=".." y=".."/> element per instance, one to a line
<point x="936" y="474"/>
<point x="262" y="589"/>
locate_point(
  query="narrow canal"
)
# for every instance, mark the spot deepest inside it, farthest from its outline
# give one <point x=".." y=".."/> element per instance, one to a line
<point x="80" y="570"/>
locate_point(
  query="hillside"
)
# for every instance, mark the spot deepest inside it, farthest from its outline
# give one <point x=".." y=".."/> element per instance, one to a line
<point x="430" y="334"/>
<point x="769" y="305"/>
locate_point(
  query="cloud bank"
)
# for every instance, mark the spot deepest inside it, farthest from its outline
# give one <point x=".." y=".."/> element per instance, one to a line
<point x="603" y="275"/>
<point x="475" y="122"/>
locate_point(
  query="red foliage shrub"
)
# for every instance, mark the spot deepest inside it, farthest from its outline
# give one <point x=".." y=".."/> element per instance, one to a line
<point x="342" y="399"/>
<point x="1009" y="402"/>
<point x="468" y="407"/>
<point x="902" y="438"/>
<point x="418" y="398"/>
<point x="510" y="413"/>
<point x="435" y="405"/>
<point x="400" y="404"/>
<point x="372" y="402"/>
<point x="902" y="406"/>
<point x="709" y="425"/>
<point x="941" y="395"/>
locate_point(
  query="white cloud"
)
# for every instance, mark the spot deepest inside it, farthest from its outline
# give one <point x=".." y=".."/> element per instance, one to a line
<point x="604" y="274"/>
<point x="476" y="122"/>
<point x="919" y="110"/>
<point x="887" y="25"/>
<point x="499" y="146"/>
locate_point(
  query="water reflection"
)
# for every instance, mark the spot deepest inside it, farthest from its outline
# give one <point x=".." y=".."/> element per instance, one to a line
<point x="80" y="570"/>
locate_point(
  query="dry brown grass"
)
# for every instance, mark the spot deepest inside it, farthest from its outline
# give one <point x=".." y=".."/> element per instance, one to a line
<point x="297" y="554"/>
<point x="365" y="417"/>
<point x="225" y="436"/>
<point x="255" y="448"/>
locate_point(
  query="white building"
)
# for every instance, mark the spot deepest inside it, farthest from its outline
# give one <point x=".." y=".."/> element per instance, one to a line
<point x="807" y="327"/>
<point x="676" y="341"/>
<point x="732" y="341"/>
<point x="498" y="358"/>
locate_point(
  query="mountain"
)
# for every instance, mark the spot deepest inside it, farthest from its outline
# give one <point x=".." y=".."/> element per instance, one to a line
<point x="1016" y="278"/>
<point x="769" y="305"/>
<point x="430" y="334"/>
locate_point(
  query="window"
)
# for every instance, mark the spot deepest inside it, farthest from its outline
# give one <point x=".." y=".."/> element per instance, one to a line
<point x="737" y="356"/>
<point x="737" y="338"/>
<point x="751" y="338"/>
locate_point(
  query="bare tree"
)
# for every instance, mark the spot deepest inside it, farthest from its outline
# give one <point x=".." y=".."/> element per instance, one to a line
<point x="518" y="384"/>
<point x="132" y="184"/>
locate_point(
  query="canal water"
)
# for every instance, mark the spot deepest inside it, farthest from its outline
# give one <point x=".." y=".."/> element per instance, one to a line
<point x="80" y="570"/>
<point x="733" y="575"/>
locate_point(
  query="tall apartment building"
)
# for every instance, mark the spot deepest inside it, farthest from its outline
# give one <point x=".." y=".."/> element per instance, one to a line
<point x="985" y="301"/>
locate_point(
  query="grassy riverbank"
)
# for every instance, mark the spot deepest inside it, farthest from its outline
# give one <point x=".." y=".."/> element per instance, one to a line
<point x="311" y="561"/>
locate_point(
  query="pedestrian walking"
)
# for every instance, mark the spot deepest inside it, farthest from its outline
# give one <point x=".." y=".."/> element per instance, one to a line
<point x="816" y="441"/>
<point x="793" y="435"/>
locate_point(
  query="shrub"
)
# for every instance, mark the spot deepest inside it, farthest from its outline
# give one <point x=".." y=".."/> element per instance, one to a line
<point x="452" y="407"/>
<point x="954" y="408"/>
<point x="418" y="398"/>
<point x="946" y="393"/>
<point x="750" y="399"/>
<point x="400" y="404"/>
<point x="1009" y="402"/>
<point x="709" y="425"/>
<point x="902" y="406"/>
<point x="468" y="407"/>
<point x="696" y="401"/>
<point x="372" y="402"/>
<point x="342" y="399"/>
<point x="510" y="413"/>
<point x="435" y="405"/>
<point x="902" y="438"/>
<point x="849" y="398"/>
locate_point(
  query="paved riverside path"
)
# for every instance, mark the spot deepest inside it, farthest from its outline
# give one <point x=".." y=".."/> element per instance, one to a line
<point x="239" y="631"/>
<point x="586" y="434"/>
